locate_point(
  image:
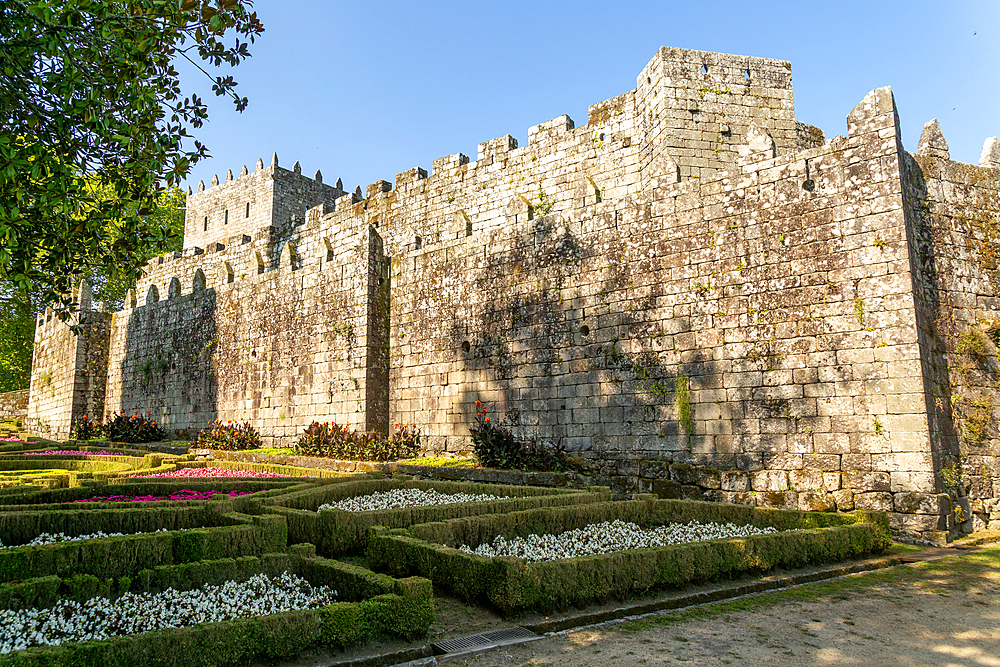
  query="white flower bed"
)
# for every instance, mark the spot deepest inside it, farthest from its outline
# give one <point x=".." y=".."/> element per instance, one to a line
<point x="134" y="613"/>
<point x="398" y="498"/>
<point x="609" y="537"/>
<point x="53" y="538"/>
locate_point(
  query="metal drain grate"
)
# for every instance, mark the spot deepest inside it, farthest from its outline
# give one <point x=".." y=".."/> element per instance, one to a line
<point x="485" y="641"/>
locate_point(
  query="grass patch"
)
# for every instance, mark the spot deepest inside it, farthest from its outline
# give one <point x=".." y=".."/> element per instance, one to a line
<point x="963" y="571"/>
<point x="275" y="451"/>
<point x="440" y="462"/>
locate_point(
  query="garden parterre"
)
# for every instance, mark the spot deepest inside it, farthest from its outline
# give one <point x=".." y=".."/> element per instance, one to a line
<point x="242" y="571"/>
<point x="133" y="613"/>
<point x="403" y="526"/>
<point x="400" y="498"/>
<point x="608" y="537"/>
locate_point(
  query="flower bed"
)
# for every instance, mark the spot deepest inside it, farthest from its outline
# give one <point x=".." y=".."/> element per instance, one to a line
<point x="134" y="613"/>
<point x="608" y="537"/>
<point x="217" y="472"/>
<point x="55" y="538"/>
<point x="57" y="499"/>
<point x="368" y="604"/>
<point x="514" y="584"/>
<point x="336" y="531"/>
<point x="71" y="452"/>
<point x="400" y="498"/>
<point x="182" y="494"/>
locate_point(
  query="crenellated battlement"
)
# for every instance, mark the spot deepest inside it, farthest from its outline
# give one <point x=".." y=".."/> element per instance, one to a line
<point x="268" y="197"/>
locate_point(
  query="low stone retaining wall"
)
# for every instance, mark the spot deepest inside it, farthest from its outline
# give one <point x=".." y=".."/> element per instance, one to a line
<point x="14" y="405"/>
<point x="919" y="517"/>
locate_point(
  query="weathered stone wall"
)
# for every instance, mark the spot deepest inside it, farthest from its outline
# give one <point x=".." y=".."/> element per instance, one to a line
<point x="955" y="209"/>
<point x="779" y="295"/>
<point x="268" y="196"/>
<point x="276" y="336"/>
<point x="68" y="369"/>
<point x="14" y="405"/>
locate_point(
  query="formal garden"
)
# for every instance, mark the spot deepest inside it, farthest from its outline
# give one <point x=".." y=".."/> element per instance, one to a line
<point x="115" y="551"/>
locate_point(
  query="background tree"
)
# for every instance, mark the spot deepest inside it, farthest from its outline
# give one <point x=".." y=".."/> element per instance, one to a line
<point x="93" y="125"/>
<point x="18" y="310"/>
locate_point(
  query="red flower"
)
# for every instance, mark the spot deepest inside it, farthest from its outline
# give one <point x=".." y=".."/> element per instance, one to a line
<point x="485" y="410"/>
<point x="478" y="403"/>
<point x="487" y="419"/>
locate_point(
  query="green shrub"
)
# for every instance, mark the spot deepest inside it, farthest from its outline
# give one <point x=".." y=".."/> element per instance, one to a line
<point x="514" y="585"/>
<point x="497" y="447"/>
<point x="86" y="429"/>
<point x="335" y="441"/>
<point x="134" y="428"/>
<point x="229" y="436"/>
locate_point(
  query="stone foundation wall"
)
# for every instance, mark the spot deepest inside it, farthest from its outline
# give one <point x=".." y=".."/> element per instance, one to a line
<point x="955" y="210"/>
<point x="14" y="405"/>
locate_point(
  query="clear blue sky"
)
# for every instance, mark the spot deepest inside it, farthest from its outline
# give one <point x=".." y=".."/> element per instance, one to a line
<point x="364" y="90"/>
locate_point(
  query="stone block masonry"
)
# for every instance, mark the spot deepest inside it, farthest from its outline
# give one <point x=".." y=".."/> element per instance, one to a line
<point x="14" y="405"/>
<point x="693" y="293"/>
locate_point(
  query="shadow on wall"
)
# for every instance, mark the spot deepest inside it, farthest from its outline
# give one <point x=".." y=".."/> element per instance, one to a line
<point x="591" y="380"/>
<point x="170" y="366"/>
<point x="935" y="309"/>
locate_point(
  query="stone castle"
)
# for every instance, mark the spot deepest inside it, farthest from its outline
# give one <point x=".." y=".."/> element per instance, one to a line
<point x="693" y="293"/>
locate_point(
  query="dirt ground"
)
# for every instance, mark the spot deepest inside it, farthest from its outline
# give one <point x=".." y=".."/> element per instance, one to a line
<point x="944" y="612"/>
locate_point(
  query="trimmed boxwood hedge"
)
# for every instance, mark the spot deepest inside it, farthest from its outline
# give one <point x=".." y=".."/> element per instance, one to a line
<point x="115" y="557"/>
<point x="337" y="532"/>
<point x="58" y="499"/>
<point x="294" y="471"/>
<point x="514" y="585"/>
<point x="373" y="605"/>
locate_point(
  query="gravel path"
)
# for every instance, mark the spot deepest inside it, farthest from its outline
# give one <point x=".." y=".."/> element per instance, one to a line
<point x="944" y="612"/>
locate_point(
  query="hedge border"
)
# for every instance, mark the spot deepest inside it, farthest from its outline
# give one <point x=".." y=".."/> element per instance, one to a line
<point x="514" y="585"/>
<point x="294" y="471"/>
<point x="338" y="532"/>
<point x="227" y="535"/>
<point x="58" y="499"/>
<point x="399" y="607"/>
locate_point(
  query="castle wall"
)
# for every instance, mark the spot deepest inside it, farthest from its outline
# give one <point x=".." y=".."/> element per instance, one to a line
<point x="68" y="369"/>
<point x="250" y="202"/>
<point x="692" y="293"/>
<point x="955" y="211"/>
<point x="277" y="336"/>
<point x="14" y="405"/>
<point x="694" y="109"/>
<point x="780" y="295"/>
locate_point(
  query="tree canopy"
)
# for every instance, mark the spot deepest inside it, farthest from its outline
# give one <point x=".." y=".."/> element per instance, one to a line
<point x="17" y="309"/>
<point x="94" y="125"/>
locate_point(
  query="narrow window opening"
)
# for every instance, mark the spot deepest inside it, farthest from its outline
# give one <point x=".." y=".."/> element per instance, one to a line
<point x="466" y="347"/>
<point x="225" y="219"/>
<point x="746" y="74"/>
<point x="248" y="211"/>
<point x="704" y="69"/>
<point x="206" y="224"/>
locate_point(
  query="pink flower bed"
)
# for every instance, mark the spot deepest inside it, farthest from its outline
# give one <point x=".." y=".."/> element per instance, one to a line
<point x="70" y="452"/>
<point x="183" y="494"/>
<point x="215" y="472"/>
<point x="11" y="439"/>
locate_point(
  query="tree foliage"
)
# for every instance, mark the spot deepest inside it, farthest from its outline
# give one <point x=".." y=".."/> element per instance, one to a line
<point x="93" y="125"/>
<point x="18" y="310"/>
